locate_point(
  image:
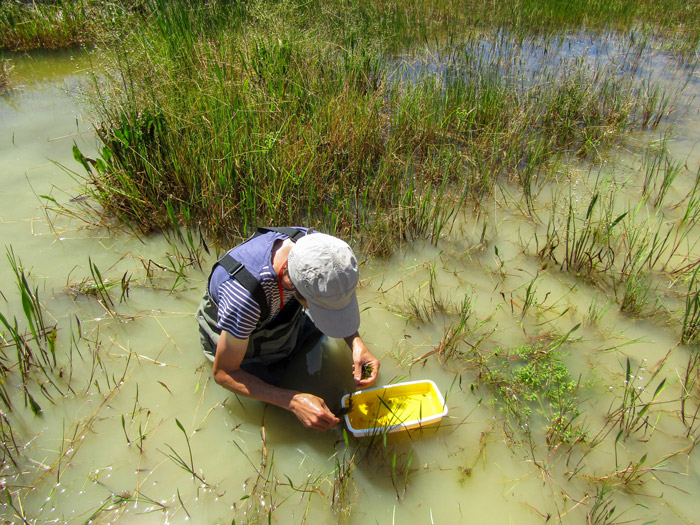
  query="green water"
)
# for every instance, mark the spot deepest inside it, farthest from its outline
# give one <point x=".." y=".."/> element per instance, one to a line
<point x="108" y="448"/>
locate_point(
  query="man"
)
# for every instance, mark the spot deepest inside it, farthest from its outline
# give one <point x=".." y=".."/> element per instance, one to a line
<point x="265" y="299"/>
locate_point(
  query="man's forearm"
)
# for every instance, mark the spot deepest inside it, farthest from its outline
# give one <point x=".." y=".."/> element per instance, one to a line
<point x="246" y="384"/>
<point x="311" y="410"/>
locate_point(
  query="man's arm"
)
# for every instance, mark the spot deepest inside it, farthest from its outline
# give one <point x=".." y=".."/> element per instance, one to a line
<point x="362" y="357"/>
<point x="309" y="409"/>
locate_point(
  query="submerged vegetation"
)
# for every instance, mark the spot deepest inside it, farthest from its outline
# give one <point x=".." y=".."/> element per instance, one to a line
<point x="531" y="377"/>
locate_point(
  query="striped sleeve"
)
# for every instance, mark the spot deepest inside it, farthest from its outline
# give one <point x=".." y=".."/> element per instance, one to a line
<point x="238" y="311"/>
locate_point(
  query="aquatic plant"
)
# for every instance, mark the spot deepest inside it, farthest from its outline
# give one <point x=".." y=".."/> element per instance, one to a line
<point x="454" y="344"/>
<point x="17" y="508"/>
<point x="596" y="311"/>
<point x="422" y="309"/>
<point x="533" y="376"/>
<point x="638" y="293"/>
<point x="690" y="332"/>
<point x="692" y="208"/>
<point x="343" y="136"/>
<point x="400" y="470"/>
<point x="586" y="238"/>
<point x="185" y="463"/>
<point x="690" y="381"/>
<point x="630" y="478"/>
<point x="53" y="24"/>
<point x="644" y="240"/>
<point x="9" y="449"/>
<point x="602" y="511"/>
<point x="341" y="500"/>
<point x="392" y="459"/>
<point x="35" y="349"/>
<point x="457" y="332"/>
<point x="587" y="242"/>
<point x="529" y="301"/>
<point x="661" y="171"/>
<point x="632" y="415"/>
<point x="260" y="501"/>
<point x="5" y="69"/>
<point x="137" y="412"/>
<point x="640" y="247"/>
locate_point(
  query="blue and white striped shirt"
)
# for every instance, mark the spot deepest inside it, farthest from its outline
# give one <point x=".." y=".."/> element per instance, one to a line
<point x="239" y="312"/>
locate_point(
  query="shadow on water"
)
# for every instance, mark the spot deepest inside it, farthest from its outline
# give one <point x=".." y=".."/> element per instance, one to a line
<point x="323" y="368"/>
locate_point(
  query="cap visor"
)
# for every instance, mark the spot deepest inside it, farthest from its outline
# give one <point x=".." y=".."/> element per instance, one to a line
<point x="337" y="323"/>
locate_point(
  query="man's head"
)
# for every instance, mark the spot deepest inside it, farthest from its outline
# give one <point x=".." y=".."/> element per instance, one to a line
<point x="324" y="271"/>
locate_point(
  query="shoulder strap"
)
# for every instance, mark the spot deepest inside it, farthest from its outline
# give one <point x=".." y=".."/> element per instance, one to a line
<point x="293" y="233"/>
<point x="237" y="271"/>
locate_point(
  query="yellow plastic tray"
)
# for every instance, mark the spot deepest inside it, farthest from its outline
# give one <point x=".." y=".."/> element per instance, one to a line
<point x="393" y="408"/>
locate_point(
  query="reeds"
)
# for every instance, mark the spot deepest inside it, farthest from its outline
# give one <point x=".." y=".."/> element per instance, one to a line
<point x="689" y="383"/>
<point x="290" y="129"/>
<point x="186" y="463"/>
<point x="262" y="497"/>
<point x="9" y="449"/>
<point x="602" y="511"/>
<point x="586" y="237"/>
<point x="632" y="414"/>
<point x="5" y="70"/>
<point x="35" y="349"/>
<point x="57" y="24"/>
<point x="690" y="332"/>
<point x="642" y="244"/>
<point x="661" y="171"/>
<point x="342" y="500"/>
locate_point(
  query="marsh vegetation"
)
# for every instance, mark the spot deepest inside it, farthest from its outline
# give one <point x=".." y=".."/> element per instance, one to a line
<point x="521" y="180"/>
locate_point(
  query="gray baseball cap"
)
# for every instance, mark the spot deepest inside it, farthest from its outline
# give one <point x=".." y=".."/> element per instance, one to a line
<point x="324" y="271"/>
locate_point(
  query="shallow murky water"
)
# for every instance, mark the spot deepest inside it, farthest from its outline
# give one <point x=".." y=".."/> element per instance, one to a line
<point x="137" y="394"/>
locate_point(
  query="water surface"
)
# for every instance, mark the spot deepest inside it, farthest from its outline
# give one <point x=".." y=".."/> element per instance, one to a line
<point x="110" y="448"/>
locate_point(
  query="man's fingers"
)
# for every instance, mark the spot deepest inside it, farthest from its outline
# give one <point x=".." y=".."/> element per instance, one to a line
<point x="325" y="423"/>
<point x="357" y="372"/>
<point x="328" y="417"/>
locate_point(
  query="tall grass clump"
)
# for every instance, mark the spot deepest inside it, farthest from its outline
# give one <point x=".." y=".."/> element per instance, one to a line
<point x="581" y="240"/>
<point x="632" y="414"/>
<point x="660" y="172"/>
<point x="643" y="240"/>
<point x="221" y="117"/>
<point x="55" y="24"/>
<point x="691" y="317"/>
<point x="270" y="128"/>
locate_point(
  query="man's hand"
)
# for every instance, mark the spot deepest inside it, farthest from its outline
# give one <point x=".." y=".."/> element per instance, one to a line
<point x="312" y="412"/>
<point x="362" y="360"/>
